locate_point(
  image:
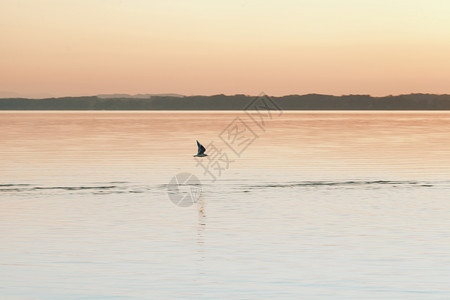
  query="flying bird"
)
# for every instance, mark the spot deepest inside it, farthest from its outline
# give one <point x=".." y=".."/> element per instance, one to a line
<point x="201" y="150"/>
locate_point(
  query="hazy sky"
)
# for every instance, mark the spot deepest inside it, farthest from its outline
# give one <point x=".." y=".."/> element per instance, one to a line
<point x="84" y="47"/>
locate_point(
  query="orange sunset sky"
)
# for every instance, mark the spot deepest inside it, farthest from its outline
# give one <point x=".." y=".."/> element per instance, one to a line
<point x="87" y="47"/>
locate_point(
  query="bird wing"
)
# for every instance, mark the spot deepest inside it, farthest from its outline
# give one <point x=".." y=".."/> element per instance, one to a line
<point x="201" y="149"/>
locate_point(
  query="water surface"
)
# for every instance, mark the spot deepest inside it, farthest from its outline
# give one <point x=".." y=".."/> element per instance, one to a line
<point x="319" y="205"/>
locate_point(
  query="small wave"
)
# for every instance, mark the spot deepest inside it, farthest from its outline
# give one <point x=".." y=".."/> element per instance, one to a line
<point x="75" y="188"/>
<point x="12" y="190"/>
<point x="112" y="182"/>
<point x="108" y="188"/>
<point x="341" y="183"/>
<point x="29" y="187"/>
<point x="14" y="187"/>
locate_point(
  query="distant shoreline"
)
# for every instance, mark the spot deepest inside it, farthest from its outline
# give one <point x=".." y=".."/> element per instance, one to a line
<point x="235" y="102"/>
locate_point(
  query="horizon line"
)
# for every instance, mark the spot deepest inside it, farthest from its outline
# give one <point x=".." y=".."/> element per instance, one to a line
<point x="125" y="95"/>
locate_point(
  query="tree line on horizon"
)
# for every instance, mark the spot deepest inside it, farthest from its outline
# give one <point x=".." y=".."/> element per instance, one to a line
<point x="234" y="102"/>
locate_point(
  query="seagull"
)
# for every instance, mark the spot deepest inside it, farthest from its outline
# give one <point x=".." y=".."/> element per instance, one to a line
<point x="201" y="150"/>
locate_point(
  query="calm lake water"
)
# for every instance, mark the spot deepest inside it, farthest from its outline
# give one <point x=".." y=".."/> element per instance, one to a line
<point x="307" y="205"/>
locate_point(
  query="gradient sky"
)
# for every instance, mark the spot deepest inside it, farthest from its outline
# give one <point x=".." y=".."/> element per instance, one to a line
<point x="87" y="47"/>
